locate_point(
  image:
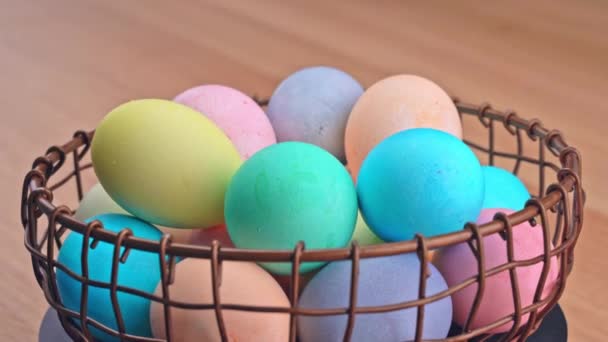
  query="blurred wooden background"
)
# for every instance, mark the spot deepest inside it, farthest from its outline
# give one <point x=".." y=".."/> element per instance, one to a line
<point x="64" y="64"/>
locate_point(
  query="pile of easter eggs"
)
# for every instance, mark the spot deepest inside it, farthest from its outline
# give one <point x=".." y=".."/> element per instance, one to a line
<point x="326" y="163"/>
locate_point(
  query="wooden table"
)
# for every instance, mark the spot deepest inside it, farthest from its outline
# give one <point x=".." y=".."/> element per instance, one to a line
<point x="64" y="64"/>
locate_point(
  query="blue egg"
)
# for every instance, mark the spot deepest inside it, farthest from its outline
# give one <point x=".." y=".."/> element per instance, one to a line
<point x="503" y="189"/>
<point x="382" y="281"/>
<point x="419" y="181"/>
<point x="141" y="271"/>
<point x="312" y="105"/>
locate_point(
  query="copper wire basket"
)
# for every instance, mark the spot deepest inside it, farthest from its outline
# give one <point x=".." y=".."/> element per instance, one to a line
<point x="558" y="208"/>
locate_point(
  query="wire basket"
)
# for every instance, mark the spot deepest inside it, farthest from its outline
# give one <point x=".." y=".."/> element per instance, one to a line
<point x="558" y="207"/>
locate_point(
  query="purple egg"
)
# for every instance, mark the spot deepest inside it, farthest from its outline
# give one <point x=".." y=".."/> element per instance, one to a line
<point x="382" y="281"/>
<point x="312" y="105"/>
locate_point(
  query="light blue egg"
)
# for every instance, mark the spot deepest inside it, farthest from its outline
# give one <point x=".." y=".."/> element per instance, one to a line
<point x="312" y="105"/>
<point x="419" y="181"/>
<point x="503" y="189"/>
<point x="141" y="271"/>
<point x="382" y="281"/>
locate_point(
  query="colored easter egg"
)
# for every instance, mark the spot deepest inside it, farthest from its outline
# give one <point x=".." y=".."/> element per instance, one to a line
<point x="363" y="235"/>
<point x="205" y="237"/>
<point x="165" y="163"/>
<point x="458" y="263"/>
<point x="243" y="283"/>
<point x="284" y="281"/>
<point x="503" y="189"/>
<point x="419" y="181"/>
<point x="179" y="235"/>
<point x="50" y="328"/>
<point x="291" y="192"/>
<point x="382" y="281"/>
<point x="313" y="105"/>
<point x="96" y="202"/>
<point x="395" y="104"/>
<point x="243" y="121"/>
<point x="141" y="271"/>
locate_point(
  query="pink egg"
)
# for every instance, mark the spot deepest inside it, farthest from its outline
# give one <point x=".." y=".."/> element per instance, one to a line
<point x="243" y="121"/>
<point x="458" y="263"/>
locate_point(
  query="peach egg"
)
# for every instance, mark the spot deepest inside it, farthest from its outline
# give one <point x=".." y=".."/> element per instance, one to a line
<point x="242" y="283"/>
<point x="392" y="105"/>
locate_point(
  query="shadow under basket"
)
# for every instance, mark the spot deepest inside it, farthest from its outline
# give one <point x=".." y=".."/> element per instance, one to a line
<point x="557" y="207"/>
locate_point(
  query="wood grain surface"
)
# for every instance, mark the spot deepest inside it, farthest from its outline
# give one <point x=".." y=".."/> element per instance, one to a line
<point x="64" y="64"/>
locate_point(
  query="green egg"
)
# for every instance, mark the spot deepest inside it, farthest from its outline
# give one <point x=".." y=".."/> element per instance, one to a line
<point x="291" y="192"/>
<point x="165" y="163"/>
<point x="97" y="202"/>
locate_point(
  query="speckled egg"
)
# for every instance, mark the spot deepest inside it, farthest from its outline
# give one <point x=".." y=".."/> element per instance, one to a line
<point x="140" y="271"/>
<point x="458" y="263"/>
<point x="312" y="105"/>
<point x="165" y="163"/>
<point x="503" y="189"/>
<point x="243" y="121"/>
<point x="419" y="180"/>
<point x="382" y="281"/>
<point x="291" y="192"/>
<point x="242" y="283"/>
<point x="395" y="104"/>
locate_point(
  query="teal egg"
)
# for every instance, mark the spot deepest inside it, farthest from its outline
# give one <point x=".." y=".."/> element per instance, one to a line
<point x="419" y="180"/>
<point x="503" y="189"/>
<point x="291" y="192"/>
<point x="141" y="271"/>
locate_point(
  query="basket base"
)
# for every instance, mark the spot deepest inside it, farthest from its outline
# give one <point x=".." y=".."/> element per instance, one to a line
<point x="554" y="328"/>
<point x="51" y="329"/>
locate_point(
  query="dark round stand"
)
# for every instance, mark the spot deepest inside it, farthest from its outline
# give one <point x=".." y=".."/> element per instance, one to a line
<point x="51" y="329"/>
<point x="554" y="328"/>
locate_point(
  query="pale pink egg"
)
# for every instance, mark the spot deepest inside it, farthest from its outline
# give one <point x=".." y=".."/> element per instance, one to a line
<point x="241" y="119"/>
<point x="457" y="263"/>
<point x="392" y="105"/>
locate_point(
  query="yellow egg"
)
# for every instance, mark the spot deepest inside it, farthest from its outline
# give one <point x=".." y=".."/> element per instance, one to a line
<point x="363" y="234"/>
<point x="242" y="283"/>
<point x="165" y="163"/>
<point x="392" y="105"/>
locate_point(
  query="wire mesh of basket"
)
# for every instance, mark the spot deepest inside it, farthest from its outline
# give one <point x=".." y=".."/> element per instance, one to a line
<point x="557" y="209"/>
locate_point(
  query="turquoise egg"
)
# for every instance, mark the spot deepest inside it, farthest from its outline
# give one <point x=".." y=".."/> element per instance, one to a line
<point x="141" y="271"/>
<point x="291" y="192"/>
<point x="419" y="180"/>
<point x="503" y="189"/>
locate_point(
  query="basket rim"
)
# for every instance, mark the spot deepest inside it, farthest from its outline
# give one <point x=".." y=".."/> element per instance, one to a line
<point x="569" y="179"/>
